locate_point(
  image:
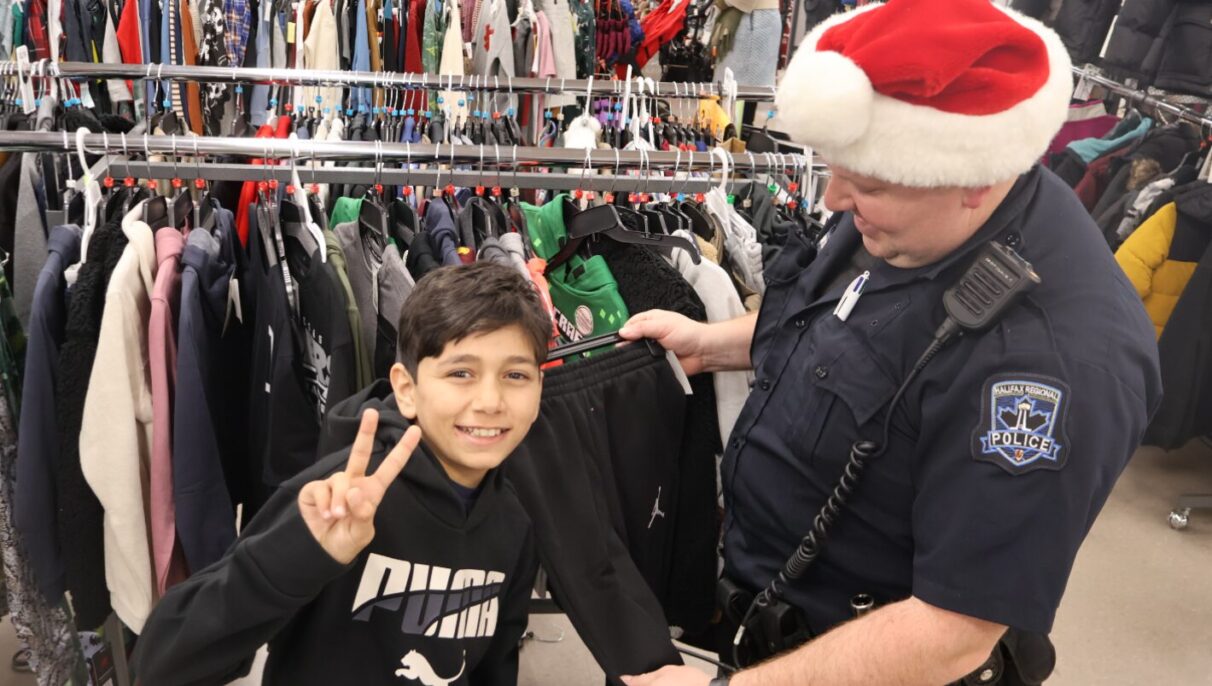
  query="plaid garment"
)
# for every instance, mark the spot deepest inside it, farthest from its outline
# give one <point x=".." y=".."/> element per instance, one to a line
<point x="238" y="16"/>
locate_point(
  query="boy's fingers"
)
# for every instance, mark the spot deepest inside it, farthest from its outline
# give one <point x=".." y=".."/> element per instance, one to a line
<point x="339" y="484"/>
<point x="316" y="494"/>
<point x="394" y="463"/>
<point x="361" y="505"/>
<point x="359" y="456"/>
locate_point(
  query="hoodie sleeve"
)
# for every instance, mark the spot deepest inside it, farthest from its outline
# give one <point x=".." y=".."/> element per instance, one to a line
<point x="499" y="666"/>
<point x="207" y="629"/>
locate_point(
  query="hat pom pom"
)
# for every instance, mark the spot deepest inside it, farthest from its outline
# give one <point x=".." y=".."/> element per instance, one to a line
<point x="824" y="99"/>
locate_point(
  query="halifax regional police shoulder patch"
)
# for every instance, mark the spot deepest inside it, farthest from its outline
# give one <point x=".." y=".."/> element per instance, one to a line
<point x="1022" y="424"/>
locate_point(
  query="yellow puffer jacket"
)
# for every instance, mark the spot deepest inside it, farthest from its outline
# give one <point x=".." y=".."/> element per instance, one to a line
<point x="1160" y="256"/>
<point x="1144" y="257"/>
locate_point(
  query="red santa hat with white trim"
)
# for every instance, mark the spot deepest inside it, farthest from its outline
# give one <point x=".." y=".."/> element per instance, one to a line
<point x="928" y="93"/>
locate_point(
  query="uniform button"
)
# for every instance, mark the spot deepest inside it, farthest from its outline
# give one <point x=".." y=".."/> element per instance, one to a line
<point x="898" y="307"/>
<point x="1013" y="239"/>
<point x="821" y="371"/>
<point x="736" y="443"/>
<point x="765" y="384"/>
<point x="875" y="322"/>
<point x="800" y="323"/>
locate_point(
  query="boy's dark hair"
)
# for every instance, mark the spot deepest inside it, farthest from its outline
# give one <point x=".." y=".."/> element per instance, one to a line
<point x="452" y="303"/>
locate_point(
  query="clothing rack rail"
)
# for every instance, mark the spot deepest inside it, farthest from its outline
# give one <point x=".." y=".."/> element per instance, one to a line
<point x="385" y="80"/>
<point x="304" y="153"/>
<point x="1141" y="98"/>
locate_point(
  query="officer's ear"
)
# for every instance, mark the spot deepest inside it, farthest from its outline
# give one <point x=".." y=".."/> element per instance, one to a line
<point x="973" y="198"/>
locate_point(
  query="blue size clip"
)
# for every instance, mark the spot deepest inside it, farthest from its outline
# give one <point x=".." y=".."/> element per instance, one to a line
<point x="326" y="110"/>
<point x="441" y="100"/>
<point x="239" y="88"/>
<point x="509" y="112"/>
<point x="462" y="102"/>
<point x="167" y="103"/>
<point x="412" y="111"/>
<point x="349" y="111"/>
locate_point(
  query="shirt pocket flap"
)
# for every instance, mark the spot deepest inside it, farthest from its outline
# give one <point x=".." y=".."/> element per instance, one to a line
<point x="856" y="376"/>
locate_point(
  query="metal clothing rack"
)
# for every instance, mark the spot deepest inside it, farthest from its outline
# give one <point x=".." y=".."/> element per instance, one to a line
<point x="385" y="80"/>
<point x="1141" y="98"/>
<point x="1179" y="517"/>
<point x="504" y="166"/>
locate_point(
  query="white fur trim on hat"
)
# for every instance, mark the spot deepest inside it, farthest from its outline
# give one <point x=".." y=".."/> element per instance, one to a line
<point x="916" y="145"/>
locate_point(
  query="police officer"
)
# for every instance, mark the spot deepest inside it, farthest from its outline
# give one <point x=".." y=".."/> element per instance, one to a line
<point x="1003" y="449"/>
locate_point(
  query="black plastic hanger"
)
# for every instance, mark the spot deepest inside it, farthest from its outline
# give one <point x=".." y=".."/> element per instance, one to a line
<point x="604" y="221"/>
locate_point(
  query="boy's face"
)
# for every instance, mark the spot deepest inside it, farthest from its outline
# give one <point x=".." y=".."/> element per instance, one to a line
<point x="474" y="402"/>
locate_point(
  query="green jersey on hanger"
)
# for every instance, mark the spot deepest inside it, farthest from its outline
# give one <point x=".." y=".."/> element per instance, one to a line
<point x="584" y="292"/>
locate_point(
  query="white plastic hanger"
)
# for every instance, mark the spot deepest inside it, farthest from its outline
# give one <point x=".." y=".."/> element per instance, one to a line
<point x="300" y="197"/>
<point x="91" y="189"/>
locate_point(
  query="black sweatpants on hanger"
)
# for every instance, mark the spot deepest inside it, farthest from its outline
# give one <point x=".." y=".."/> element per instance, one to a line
<point x="589" y="474"/>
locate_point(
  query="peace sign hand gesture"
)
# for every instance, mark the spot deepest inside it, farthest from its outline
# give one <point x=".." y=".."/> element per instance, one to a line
<point x="340" y="510"/>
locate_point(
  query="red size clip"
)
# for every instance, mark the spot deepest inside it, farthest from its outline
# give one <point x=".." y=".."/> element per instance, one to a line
<point x="200" y="184"/>
<point x="407" y="191"/>
<point x="450" y="189"/>
<point x="379" y="188"/>
<point x="496" y="191"/>
<point x="177" y="183"/>
<point x="129" y="182"/>
<point x="273" y="184"/>
<point x="108" y="182"/>
<point x="152" y="184"/>
<point x="479" y="190"/>
<point x="608" y="197"/>
<point x="793" y="186"/>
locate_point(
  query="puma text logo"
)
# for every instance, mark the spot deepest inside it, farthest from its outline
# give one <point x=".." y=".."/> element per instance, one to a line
<point x="416" y="667"/>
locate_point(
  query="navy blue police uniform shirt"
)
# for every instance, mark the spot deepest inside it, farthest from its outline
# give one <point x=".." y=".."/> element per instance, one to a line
<point x="1002" y="452"/>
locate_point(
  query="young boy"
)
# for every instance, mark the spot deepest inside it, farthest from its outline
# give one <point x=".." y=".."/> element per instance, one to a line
<point x="387" y="563"/>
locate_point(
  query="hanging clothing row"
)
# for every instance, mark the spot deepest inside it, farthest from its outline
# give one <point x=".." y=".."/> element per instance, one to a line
<point x="558" y="39"/>
<point x="1143" y="174"/>
<point x="260" y="306"/>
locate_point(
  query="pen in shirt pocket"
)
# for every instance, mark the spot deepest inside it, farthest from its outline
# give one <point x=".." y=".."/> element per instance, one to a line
<point x="850" y="298"/>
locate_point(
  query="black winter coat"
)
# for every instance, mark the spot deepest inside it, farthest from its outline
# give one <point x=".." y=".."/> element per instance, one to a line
<point x="80" y="516"/>
<point x="1164" y="43"/>
<point x="1185" y="347"/>
<point x="1083" y="25"/>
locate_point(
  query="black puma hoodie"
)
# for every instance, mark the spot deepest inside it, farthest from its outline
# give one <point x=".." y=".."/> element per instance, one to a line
<point x="439" y="598"/>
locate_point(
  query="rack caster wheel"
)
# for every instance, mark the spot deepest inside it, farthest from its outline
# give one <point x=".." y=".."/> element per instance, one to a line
<point x="1179" y="519"/>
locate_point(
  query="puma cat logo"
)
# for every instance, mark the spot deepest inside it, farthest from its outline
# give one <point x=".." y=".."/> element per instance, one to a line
<point x="416" y="667"/>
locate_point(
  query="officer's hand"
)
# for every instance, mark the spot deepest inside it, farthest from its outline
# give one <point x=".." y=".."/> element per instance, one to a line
<point x="340" y="510"/>
<point x="670" y="676"/>
<point x="682" y="335"/>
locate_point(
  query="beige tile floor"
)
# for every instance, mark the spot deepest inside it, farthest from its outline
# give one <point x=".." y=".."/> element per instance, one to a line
<point x="1138" y="609"/>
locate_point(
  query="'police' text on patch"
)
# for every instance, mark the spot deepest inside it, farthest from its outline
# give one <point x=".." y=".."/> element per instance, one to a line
<point x="1022" y="423"/>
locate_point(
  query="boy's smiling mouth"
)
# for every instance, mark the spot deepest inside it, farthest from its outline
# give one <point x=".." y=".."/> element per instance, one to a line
<point x="482" y="433"/>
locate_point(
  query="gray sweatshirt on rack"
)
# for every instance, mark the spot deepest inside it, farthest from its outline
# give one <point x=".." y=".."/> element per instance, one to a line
<point x="378" y="277"/>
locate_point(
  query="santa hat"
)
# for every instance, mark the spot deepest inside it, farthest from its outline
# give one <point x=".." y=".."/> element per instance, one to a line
<point x="928" y="93"/>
